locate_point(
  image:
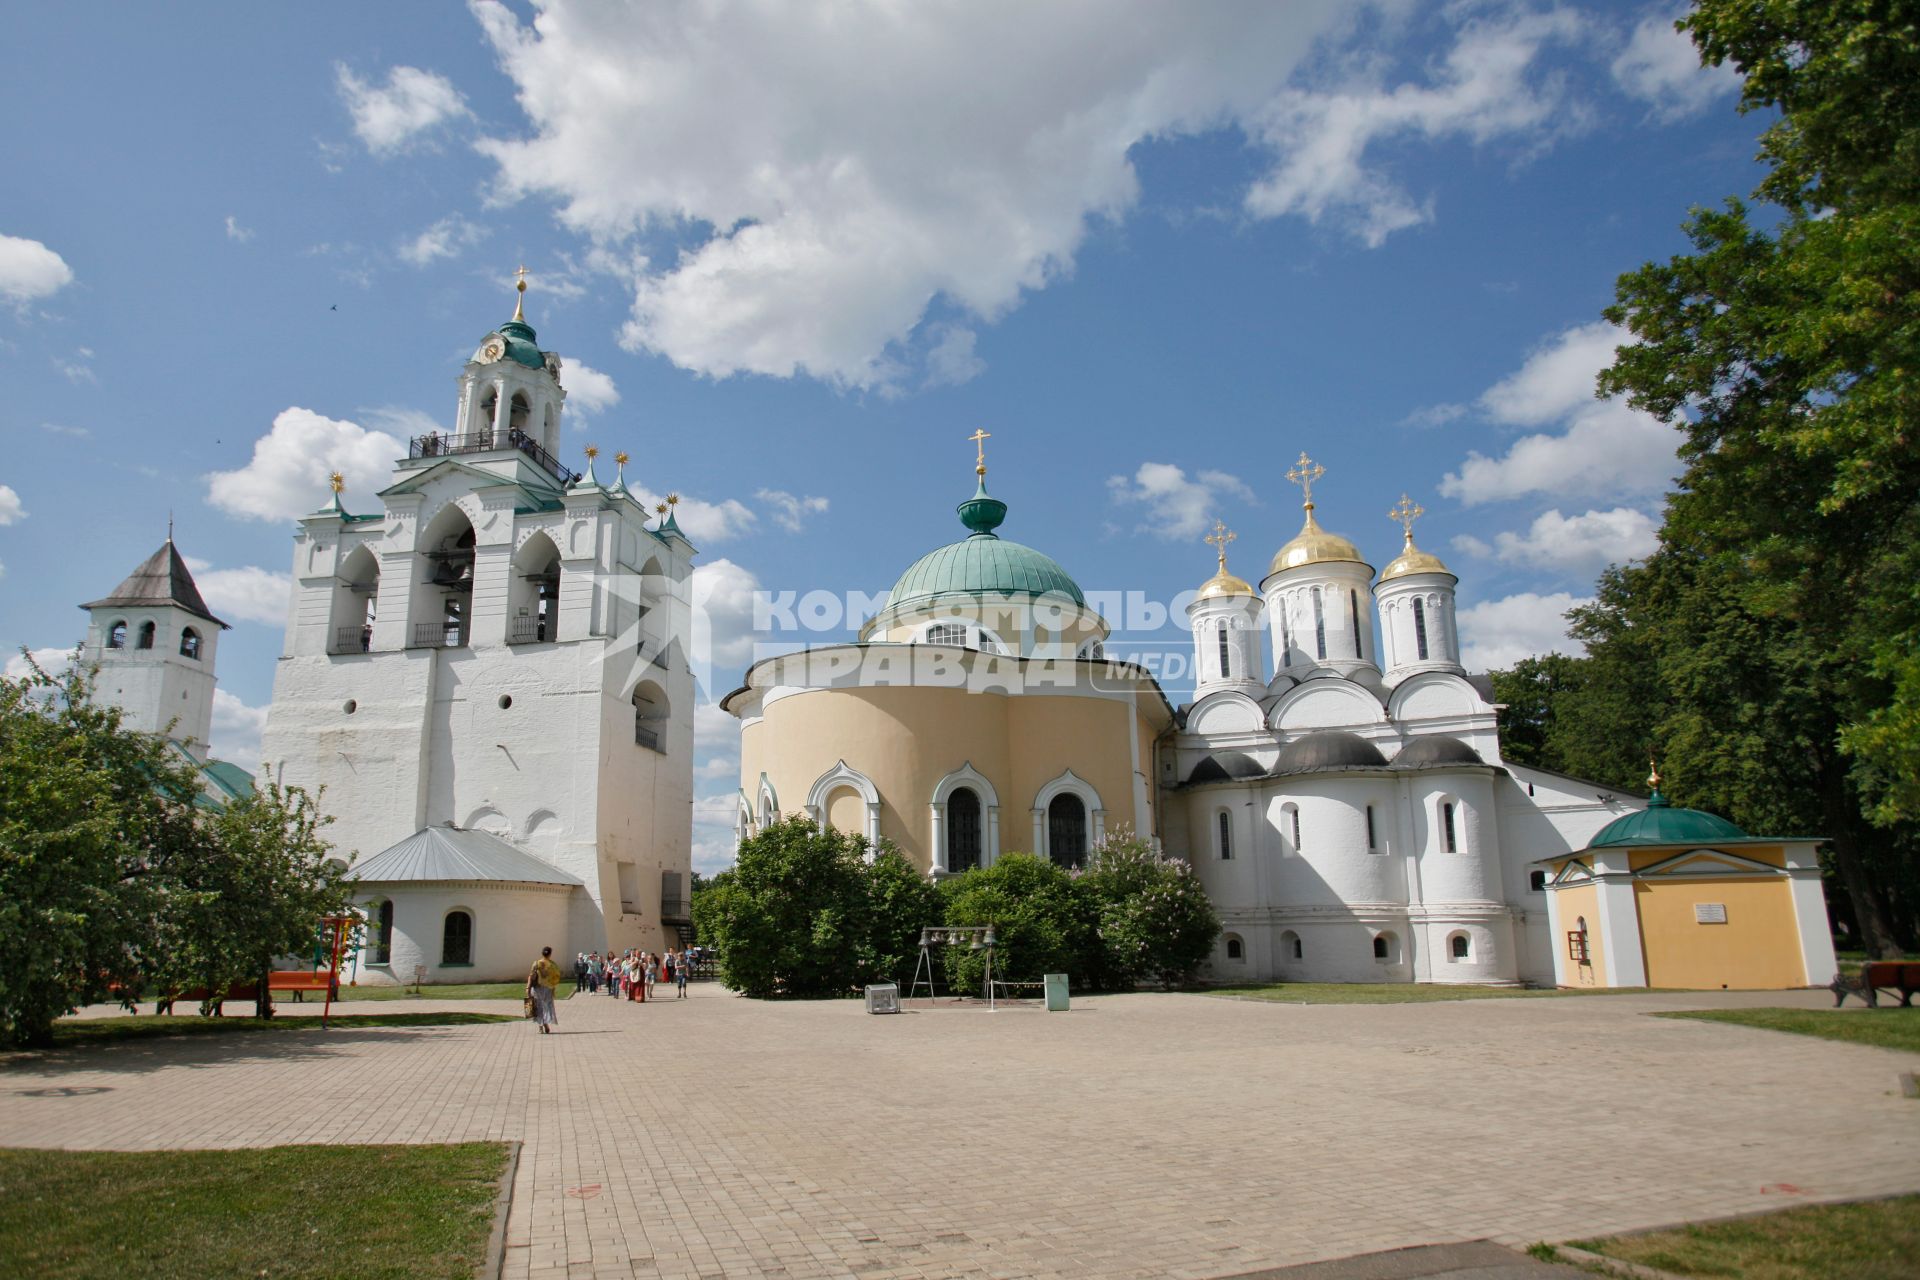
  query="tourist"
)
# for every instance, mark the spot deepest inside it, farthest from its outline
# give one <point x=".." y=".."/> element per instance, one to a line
<point x="579" y="974"/>
<point x="593" y="972"/>
<point x="541" y="981"/>
<point x="680" y="976"/>
<point x="652" y="963"/>
<point x="666" y="964"/>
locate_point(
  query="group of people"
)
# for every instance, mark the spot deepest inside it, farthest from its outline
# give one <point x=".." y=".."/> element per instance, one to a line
<point x="632" y="975"/>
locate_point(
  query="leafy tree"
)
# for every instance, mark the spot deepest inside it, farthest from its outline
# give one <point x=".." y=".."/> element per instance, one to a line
<point x="1781" y="612"/>
<point x="1155" y="918"/>
<point x="1045" y="920"/>
<point x="901" y="902"/>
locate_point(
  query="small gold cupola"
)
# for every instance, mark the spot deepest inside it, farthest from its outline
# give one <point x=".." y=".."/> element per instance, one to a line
<point x="1411" y="559"/>
<point x="1312" y="545"/>
<point x="1222" y="583"/>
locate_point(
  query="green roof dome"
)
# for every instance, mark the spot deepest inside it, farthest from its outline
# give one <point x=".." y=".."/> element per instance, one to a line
<point x="522" y="346"/>
<point x="982" y="564"/>
<point x="1661" y="823"/>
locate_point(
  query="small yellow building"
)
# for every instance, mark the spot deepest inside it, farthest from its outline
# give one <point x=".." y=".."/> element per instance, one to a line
<point x="976" y="714"/>
<point x="1678" y="898"/>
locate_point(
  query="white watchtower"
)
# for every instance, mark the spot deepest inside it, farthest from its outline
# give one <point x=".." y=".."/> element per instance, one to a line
<point x="154" y="640"/>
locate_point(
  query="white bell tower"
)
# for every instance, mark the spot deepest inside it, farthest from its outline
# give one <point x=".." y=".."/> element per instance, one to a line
<point x="154" y="640"/>
<point x="1225" y="617"/>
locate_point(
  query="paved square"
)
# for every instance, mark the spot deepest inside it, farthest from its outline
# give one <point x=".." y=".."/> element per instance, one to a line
<point x="1143" y="1135"/>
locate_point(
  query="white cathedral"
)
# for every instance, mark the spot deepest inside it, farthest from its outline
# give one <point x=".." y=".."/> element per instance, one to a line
<point x="487" y="675"/>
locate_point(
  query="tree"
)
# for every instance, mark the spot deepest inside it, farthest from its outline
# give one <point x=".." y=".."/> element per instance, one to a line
<point x="900" y="903"/>
<point x="1045" y="919"/>
<point x="1155" y="919"/>
<point x="1782" y="609"/>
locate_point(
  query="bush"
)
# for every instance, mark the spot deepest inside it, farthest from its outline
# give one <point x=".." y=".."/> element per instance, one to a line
<point x="804" y="913"/>
<point x="1044" y="919"/>
<point x="1155" y="918"/>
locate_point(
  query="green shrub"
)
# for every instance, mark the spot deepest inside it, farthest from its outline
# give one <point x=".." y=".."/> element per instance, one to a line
<point x="1045" y="921"/>
<point x="1155" y="919"/>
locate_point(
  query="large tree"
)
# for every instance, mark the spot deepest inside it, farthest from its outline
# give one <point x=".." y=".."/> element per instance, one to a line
<point x="1779" y="620"/>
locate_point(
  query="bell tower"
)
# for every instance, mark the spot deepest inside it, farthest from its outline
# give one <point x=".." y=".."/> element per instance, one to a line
<point x="510" y="392"/>
<point x="154" y="640"/>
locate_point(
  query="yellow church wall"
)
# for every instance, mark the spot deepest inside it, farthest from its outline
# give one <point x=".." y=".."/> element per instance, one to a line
<point x="1572" y="904"/>
<point x="1758" y="948"/>
<point x="847" y="811"/>
<point x="1772" y="855"/>
<point x="905" y="739"/>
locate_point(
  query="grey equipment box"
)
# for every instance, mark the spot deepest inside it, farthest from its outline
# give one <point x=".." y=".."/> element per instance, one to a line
<point x="1056" y="992"/>
<point x="883" y="997"/>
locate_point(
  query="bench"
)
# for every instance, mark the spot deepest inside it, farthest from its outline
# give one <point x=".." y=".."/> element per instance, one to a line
<point x="242" y="991"/>
<point x="1891" y="976"/>
<point x="301" y="981"/>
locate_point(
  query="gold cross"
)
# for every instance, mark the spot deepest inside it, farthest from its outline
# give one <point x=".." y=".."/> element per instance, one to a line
<point x="980" y="438"/>
<point x="1304" y="473"/>
<point x="521" y="276"/>
<point x="1219" y="539"/>
<point x="1405" y="512"/>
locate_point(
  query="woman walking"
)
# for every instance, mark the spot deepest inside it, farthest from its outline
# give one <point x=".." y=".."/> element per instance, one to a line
<point x="541" y="981"/>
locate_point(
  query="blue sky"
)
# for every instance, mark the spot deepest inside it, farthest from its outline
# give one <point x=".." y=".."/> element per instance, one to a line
<point x="794" y="255"/>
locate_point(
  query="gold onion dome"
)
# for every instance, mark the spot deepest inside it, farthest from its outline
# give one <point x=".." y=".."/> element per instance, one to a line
<point x="1312" y="545"/>
<point x="1222" y="583"/>
<point x="1411" y="559"/>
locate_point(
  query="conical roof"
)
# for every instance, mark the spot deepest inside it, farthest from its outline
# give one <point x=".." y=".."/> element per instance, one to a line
<point x="450" y="853"/>
<point x="161" y="579"/>
<point x="1662" y="823"/>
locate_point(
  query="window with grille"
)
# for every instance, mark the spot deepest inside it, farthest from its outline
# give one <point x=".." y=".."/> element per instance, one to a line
<point x="1226" y="662"/>
<point x="456" y="939"/>
<point x="1353" y="601"/>
<point x="1452" y="843"/>
<point x="1226" y="835"/>
<point x="1319" y="626"/>
<point x="952" y="633"/>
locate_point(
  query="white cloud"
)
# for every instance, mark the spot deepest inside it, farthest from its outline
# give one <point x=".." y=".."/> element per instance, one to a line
<point x="713" y="816"/>
<point x="1433" y="415"/>
<point x="826" y="180"/>
<point x="588" y="390"/>
<point x="76" y="370"/>
<point x="789" y="511"/>
<point x="1661" y="67"/>
<point x="248" y="594"/>
<point x="1582" y="544"/>
<point x="413" y="102"/>
<point x="701" y="520"/>
<point x="1480" y="91"/>
<point x="52" y="660"/>
<point x="1177" y="506"/>
<point x="1495" y="634"/>
<point x="30" y="271"/>
<point x="237" y="232"/>
<point x="951" y="360"/>
<point x="54" y="428"/>
<point x="287" y="476"/>
<point x="723" y="622"/>
<point x="236" y="731"/>
<point x="11" y="511"/>
<point x="444" y="239"/>
<point x="1606" y="450"/>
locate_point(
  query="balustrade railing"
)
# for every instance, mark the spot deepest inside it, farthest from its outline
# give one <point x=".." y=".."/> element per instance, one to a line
<point x="437" y="444"/>
<point x="352" y="640"/>
<point x="530" y="631"/>
<point x="437" y="635"/>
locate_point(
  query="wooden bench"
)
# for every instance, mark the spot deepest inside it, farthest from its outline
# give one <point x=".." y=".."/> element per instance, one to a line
<point x="243" y="991"/>
<point x="301" y="981"/>
<point x="1891" y="976"/>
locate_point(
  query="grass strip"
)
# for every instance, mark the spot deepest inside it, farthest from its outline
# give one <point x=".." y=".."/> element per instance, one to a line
<point x="1883" y="1028"/>
<point x="283" y="1212"/>
<point x="1870" y="1240"/>
<point x="79" y="1031"/>
<point x="449" y="991"/>
<point x="1400" y="992"/>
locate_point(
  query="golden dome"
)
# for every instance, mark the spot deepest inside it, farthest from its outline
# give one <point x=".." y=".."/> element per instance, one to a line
<point x="1413" y="560"/>
<point x="1313" y="545"/>
<point x="1222" y="583"/>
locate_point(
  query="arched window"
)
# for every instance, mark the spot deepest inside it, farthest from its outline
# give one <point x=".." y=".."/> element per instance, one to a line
<point x="650" y="711"/>
<point x="1353" y="601"/>
<point x="1420" y="628"/>
<point x="146" y="636"/>
<point x="355" y="593"/>
<point x="1459" y="947"/>
<point x="1450" y="841"/>
<point x="1226" y="659"/>
<point x="949" y="633"/>
<point x="1225" y="825"/>
<point x="963" y="830"/>
<point x="489" y="410"/>
<point x="190" y="644"/>
<point x="517" y="412"/>
<point x="1067" y="831"/>
<point x="1286" y="635"/>
<point x="1379" y="946"/>
<point x="380" y="940"/>
<point x="1372" y="844"/>
<point x="1293" y="817"/>
<point x="456" y="938"/>
<point x="117" y="636"/>
<point x="534" y="593"/>
<point x="1319" y="626"/>
<point x="1235" y="951"/>
<point x="1290" y="946"/>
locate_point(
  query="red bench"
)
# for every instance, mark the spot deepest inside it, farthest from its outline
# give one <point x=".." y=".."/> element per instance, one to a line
<point x="1890" y="976"/>
<point x="301" y="981"/>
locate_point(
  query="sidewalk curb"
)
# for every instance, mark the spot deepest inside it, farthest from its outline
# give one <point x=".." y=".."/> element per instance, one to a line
<point x="1613" y="1266"/>
<point x="496" y="1259"/>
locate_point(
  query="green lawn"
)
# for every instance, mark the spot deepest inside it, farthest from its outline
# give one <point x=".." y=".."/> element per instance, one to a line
<point x="76" y="1031"/>
<point x="1850" y="961"/>
<point x="285" y="1212"/>
<point x="1876" y="1240"/>
<point x="1894" y="1028"/>
<point x="1397" y="992"/>
<point x="447" y="991"/>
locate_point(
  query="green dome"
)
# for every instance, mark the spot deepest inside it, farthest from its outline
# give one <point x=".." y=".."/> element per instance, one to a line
<point x="1661" y="823"/>
<point x="521" y="344"/>
<point x="983" y="564"/>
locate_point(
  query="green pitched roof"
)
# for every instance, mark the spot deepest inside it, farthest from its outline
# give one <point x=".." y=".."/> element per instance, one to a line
<point x="982" y="564"/>
<point x="1661" y="823"/>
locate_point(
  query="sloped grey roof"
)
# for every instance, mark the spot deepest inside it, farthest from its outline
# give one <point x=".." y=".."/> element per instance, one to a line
<point x="162" y="578"/>
<point x="1222" y="766"/>
<point x="1327" y="749"/>
<point x="1436" y="749"/>
<point x="448" y="853"/>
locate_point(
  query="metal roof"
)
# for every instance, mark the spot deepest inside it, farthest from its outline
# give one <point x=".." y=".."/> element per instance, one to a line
<point x="448" y="853"/>
<point x="161" y="579"/>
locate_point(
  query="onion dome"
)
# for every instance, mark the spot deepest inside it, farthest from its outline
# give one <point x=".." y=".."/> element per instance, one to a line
<point x="1435" y="749"/>
<point x="1312" y="545"/>
<point x="515" y="340"/>
<point x="1222" y="584"/>
<point x="1411" y="559"/>
<point x="1661" y="823"/>
<point x="983" y="563"/>
<point x="1328" y="749"/>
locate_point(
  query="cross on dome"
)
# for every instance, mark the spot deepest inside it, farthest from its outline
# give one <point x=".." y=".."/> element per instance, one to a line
<point x="520" y="289"/>
<point x="980" y="437"/>
<point x="1304" y="473"/>
<point x="1219" y="539"/>
<point x="1404" y="513"/>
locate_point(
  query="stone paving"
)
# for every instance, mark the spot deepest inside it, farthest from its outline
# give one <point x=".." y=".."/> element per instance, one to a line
<point x="1134" y="1136"/>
